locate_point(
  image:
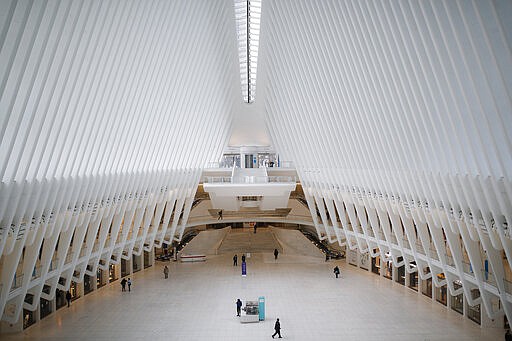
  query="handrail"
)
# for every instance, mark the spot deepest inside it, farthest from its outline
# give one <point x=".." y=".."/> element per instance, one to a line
<point x="250" y="179"/>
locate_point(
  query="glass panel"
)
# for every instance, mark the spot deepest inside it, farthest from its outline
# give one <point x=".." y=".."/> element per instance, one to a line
<point x="248" y="15"/>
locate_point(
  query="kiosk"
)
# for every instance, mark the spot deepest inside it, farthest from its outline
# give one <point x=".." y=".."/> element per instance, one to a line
<point x="250" y="313"/>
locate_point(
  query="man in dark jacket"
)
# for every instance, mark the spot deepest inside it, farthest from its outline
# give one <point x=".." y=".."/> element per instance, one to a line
<point x="68" y="298"/>
<point x="238" y="307"/>
<point x="277" y="328"/>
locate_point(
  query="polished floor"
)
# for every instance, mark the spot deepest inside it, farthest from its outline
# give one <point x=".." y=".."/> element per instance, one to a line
<point x="197" y="302"/>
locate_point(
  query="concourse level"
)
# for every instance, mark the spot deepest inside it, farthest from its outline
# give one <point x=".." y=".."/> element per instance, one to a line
<point x="197" y="302"/>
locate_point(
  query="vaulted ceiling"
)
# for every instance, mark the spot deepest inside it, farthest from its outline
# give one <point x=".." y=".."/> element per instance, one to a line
<point x="399" y="109"/>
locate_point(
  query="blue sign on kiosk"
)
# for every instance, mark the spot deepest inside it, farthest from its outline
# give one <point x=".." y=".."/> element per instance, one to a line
<point x="244" y="269"/>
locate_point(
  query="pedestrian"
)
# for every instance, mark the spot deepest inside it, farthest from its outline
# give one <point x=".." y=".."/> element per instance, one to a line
<point x="166" y="272"/>
<point x="277" y="328"/>
<point x="220" y="215"/>
<point x="243" y="258"/>
<point x="336" y="271"/>
<point x="129" y="284"/>
<point x="255" y="227"/>
<point x="508" y="335"/>
<point x="235" y="260"/>
<point x="276" y="253"/>
<point x="68" y="298"/>
<point x="238" y="307"/>
<point x="123" y="284"/>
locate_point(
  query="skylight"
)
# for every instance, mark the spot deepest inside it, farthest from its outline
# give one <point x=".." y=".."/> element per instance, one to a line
<point x="248" y="15"/>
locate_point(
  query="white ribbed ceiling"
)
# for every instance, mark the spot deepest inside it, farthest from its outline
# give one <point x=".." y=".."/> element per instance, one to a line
<point x="100" y="87"/>
<point x="397" y="114"/>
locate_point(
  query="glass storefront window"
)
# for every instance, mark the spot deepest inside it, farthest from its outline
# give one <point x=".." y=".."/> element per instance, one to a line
<point x="28" y="318"/>
<point x="146" y="260"/>
<point x="45" y="308"/>
<point x="136" y="263"/>
<point x="124" y="268"/>
<point x="441" y="295"/>
<point x="60" y="298"/>
<point x="457" y="302"/>
<point x="88" y="287"/>
<point x="73" y="289"/>
<point x="426" y="288"/>
<point x="376" y="264"/>
<point x="389" y="270"/>
<point x="112" y="273"/>
<point x="474" y="312"/>
<point x="413" y="281"/>
<point x="99" y="278"/>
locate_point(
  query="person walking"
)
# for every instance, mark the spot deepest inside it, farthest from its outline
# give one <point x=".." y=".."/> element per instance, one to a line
<point x="166" y="272"/>
<point x="508" y="335"/>
<point x="235" y="260"/>
<point x="129" y="284"/>
<point x="277" y="328"/>
<point x="220" y="215"/>
<point x="68" y="298"/>
<point x="123" y="284"/>
<point x="276" y="253"/>
<point x="243" y="258"/>
<point x="238" y="307"/>
<point x="336" y="271"/>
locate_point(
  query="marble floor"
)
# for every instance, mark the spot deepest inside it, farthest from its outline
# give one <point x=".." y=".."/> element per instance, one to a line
<point x="197" y="302"/>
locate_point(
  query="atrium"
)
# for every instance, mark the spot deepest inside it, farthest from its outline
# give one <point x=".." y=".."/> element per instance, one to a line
<point x="369" y="135"/>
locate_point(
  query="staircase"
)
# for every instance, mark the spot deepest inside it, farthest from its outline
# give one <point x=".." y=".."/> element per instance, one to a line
<point x="246" y="241"/>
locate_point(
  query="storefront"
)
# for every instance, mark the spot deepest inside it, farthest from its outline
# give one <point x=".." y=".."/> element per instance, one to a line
<point x="376" y="263"/>
<point x="45" y="308"/>
<point x="112" y="273"/>
<point x="400" y="278"/>
<point x="88" y="284"/>
<point x="388" y="273"/>
<point x="60" y="298"/>
<point x="29" y="318"/>
<point x="474" y="313"/>
<point x="136" y="263"/>
<point x="413" y="281"/>
<point x="426" y="285"/>
<point x="147" y="260"/>
<point x="457" y="302"/>
<point x="73" y="289"/>
<point x="124" y="268"/>
<point x="441" y="292"/>
<point x="101" y="279"/>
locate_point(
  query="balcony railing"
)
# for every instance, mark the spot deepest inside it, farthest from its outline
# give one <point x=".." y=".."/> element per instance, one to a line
<point x="249" y="179"/>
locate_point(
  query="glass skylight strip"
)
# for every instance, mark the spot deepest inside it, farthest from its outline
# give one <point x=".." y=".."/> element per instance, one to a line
<point x="248" y="14"/>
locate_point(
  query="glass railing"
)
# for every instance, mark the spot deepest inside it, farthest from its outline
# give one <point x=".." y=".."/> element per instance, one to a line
<point x="229" y="164"/>
<point x="36" y="273"/>
<point x="249" y="179"/>
<point x="17" y="281"/>
<point x="508" y="286"/>
<point x="450" y="261"/>
<point x="69" y="257"/>
<point x="53" y="264"/>
<point x="466" y="267"/>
